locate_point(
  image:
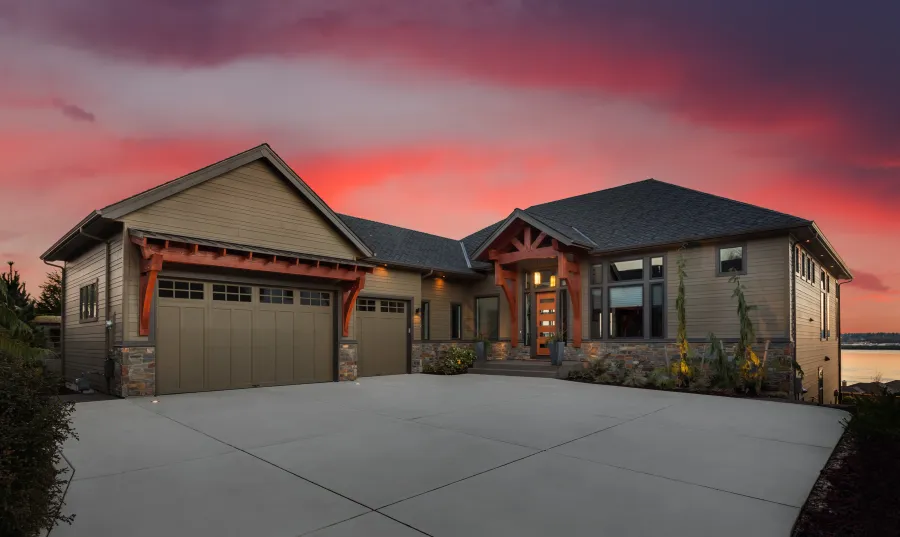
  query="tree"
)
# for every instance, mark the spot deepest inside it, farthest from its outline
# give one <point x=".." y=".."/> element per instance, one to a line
<point x="16" y="297"/>
<point x="34" y="424"/>
<point x="50" y="301"/>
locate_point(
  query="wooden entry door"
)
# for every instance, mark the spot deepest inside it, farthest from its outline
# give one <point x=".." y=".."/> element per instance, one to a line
<point x="546" y="320"/>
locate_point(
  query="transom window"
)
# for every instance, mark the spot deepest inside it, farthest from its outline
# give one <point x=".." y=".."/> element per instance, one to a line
<point x="87" y="302"/>
<point x="730" y="259"/>
<point x="657" y="268"/>
<point x="365" y="304"/>
<point x="232" y="293"/>
<point x="315" y="298"/>
<point x="623" y="271"/>
<point x="272" y="295"/>
<point x="393" y="306"/>
<point x="180" y="289"/>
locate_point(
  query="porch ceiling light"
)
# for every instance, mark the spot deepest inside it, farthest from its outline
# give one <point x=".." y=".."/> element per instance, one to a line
<point x="552" y="281"/>
<point x="537" y="278"/>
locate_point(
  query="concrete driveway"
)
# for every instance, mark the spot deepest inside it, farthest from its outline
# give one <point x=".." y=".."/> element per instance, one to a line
<point x="444" y="456"/>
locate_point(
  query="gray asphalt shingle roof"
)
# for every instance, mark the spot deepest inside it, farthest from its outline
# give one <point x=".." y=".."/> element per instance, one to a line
<point x="393" y="244"/>
<point x="635" y="215"/>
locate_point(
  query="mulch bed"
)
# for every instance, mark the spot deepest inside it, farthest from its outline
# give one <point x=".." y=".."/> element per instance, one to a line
<point x="857" y="494"/>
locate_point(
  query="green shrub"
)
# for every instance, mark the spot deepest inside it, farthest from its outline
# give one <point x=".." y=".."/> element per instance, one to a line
<point x="877" y="417"/>
<point x="634" y="377"/>
<point x="613" y="373"/>
<point x="660" y="378"/>
<point x="455" y="361"/>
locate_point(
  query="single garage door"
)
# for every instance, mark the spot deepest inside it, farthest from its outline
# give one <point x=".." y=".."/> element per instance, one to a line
<point x="213" y="336"/>
<point x="382" y="332"/>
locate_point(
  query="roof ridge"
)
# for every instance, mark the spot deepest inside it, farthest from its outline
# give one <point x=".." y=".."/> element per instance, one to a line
<point x="744" y="203"/>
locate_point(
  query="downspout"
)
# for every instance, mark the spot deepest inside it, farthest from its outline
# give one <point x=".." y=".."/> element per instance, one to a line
<point x="107" y="369"/>
<point x="837" y="292"/>
<point x="62" y="318"/>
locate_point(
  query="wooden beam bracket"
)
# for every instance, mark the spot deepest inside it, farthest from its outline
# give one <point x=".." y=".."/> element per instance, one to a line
<point x="348" y="302"/>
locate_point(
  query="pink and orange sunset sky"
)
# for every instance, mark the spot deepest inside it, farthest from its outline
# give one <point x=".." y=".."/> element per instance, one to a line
<point x="463" y="110"/>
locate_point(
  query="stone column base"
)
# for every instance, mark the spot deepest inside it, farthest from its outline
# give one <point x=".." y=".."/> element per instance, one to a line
<point x="348" y="362"/>
<point x="136" y="374"/>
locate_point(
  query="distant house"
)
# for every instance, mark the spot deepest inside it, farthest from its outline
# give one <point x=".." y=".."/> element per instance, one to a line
<point x="239" y="275"/>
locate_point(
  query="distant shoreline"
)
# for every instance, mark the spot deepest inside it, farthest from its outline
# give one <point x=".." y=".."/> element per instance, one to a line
<point x="891" y="347"/>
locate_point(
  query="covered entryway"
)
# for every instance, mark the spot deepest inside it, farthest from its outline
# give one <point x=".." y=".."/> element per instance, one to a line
<point x="383" y="336"/>
<point x="218" y="336"/>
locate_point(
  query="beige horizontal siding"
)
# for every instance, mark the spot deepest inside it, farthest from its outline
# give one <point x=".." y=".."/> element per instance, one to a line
<point x="85" y="342"/>
<point x="251" y="205"/>
<point x="441" y="294"/>
<point x="486" y="287"/>
<point x="709" y="305"/>
<point x="811" y="349"/>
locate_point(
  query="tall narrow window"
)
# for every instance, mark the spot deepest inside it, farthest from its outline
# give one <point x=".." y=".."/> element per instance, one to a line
<point x="426" y="320"/>
<point x="596" y="274"/>
<point x="527" y="302"/>
<point x="563" y="308"/>
<point x="487" y="313"/>
<point x="797" y="259"/>
<point x="657" y="311"/>
<point x="804" y="265"/>
<point x="596" y="313"/>
<point x="87" y="302"/>
<point x="455" y="321"/>
<point x="812" y="271"/>
<point x="626" y="311"/>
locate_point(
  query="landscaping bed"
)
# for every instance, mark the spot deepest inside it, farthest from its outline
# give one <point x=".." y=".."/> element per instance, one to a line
<point x="858" y="491"/>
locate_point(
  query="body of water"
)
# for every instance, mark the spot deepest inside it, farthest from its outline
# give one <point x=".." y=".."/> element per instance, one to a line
<point x="862" y="365"/>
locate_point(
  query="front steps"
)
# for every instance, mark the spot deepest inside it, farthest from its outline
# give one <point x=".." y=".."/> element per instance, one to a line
<point x="515" y="368"/>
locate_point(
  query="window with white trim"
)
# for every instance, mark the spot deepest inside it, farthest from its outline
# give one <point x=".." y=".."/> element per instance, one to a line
<point x="274" y="295"/>
<point x="232" y="293"/>
<point x="87" y="302"/>
<point x="180" y="289"/>
<point x="315" y="298"/>
<point x="393" y="306"/>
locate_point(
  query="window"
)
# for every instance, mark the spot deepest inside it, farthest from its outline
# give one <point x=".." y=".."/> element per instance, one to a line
<point x="626" y="311"/>
<point x="797" y="260"/>
<point x="527" y="307"/>
<point x="544" y="278"/>
<point x="426" y="320"/>
<point x="622" y="271"/>
<point x="271" y="295"/>
<point x="804" y="265"/>
<point x="365" y="304"/>
<point x="393" y="306"/>
<point x="657" y="269"/>
<point x="563" y="309"/>
<point x="596" y="313"/>
<point x="730" y="258"/>
<point x="596" y="274"/>
<point x="487" y="317"/>
<point x="455" y="321"/>
<point x="87" y="302"/>
<point x="315" y="298"/>
<point x="232" y="293"/>
<point x="657" y="310"/>
<point x="179" y="289"/>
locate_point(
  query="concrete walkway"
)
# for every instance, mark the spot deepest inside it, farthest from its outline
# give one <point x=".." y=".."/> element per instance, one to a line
<point x="444" y="456"/>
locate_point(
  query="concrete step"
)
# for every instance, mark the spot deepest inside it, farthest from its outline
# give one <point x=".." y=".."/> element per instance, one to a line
<point x="511" y="372"/>
<point x="530" y="365"/>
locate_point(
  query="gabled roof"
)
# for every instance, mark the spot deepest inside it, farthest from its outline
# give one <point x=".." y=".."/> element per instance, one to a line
<point x="643" y="214"/>
<point x="165" y="190"/>
<point x="405" y="247"/>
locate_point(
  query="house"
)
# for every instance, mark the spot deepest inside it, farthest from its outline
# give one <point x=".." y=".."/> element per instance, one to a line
<point x="239" y="275"/>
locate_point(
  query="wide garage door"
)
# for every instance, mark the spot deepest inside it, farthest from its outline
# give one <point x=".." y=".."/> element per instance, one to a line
<point x="382" y="334"/>
<point x="213" y="336"/>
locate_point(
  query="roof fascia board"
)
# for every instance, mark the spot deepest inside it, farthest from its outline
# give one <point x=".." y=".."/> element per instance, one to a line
<point x="70" y="235"/>
<point x="831" y="251"/>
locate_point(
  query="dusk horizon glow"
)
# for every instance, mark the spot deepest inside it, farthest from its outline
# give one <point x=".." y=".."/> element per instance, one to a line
<point x="446" y="117"/>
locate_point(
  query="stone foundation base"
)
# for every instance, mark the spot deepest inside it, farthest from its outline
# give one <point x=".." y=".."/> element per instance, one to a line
<point x="423" y="352"/>
<point x="650" y="355"/>
<point x="136" y="375"/>
<point x="348" y="362"/>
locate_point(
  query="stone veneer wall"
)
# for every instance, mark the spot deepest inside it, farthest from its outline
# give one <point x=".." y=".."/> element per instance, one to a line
<point x="136" y="375"/>
<point x="348" y="361"/>
<point x="650" y="355"/>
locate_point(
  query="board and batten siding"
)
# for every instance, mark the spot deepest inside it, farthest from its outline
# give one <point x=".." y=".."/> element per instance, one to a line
<point x="391" y="283"/>
<point x="85" y="342"/>
<point x="709" y="306"/>
<point x="251" y="205"/>
<point x="811" y="349"/>
<point x="441" y="293"/>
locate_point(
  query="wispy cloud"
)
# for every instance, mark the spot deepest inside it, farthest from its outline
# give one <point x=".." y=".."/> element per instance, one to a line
<point x="73" y="111"/>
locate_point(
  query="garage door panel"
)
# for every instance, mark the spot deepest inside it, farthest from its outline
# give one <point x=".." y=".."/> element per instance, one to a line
<point x="219" y="359"/>
<point x="323" y="370"/>
<point x="304" y="333"/>
<point x="264" y="348"/>
<point x="382" y="337"/>
<point x="193" y="347"/>
<point x="168" y="348"/>
<point x="241" y="348"/>
<point x="284" y="346"/>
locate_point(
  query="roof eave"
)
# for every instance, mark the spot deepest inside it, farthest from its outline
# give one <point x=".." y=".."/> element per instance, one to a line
<point x="527" y="218"/>
<point x="50" y="254"/>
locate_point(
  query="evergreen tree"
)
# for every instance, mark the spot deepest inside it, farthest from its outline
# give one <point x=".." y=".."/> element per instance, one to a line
<point x="50" y="301"/>
<point x="16" y="297"/>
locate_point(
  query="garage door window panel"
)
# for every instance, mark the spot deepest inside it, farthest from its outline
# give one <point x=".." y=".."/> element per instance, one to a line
<point x="393" y="306"/>
<point x="315" y="298"/>
<point x="271" y="295"/>
<point x="232" y="293"/>
<point x="180" y="289"/>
